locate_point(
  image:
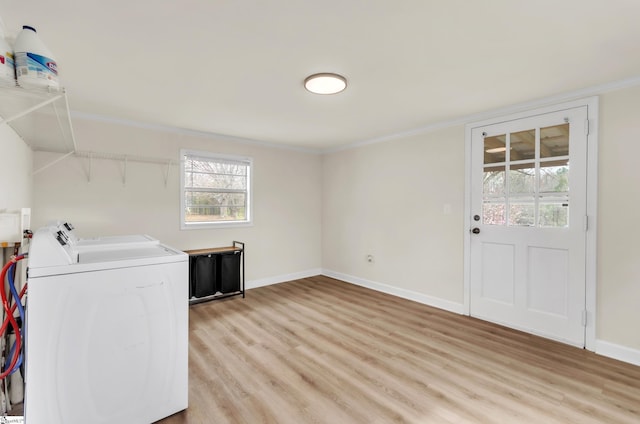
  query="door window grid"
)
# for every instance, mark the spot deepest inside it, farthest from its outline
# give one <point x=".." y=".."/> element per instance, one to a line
<point x="526" y="178"/>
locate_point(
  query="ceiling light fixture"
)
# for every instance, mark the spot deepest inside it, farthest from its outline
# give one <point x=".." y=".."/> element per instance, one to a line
<point x="496" y="150"/>
<point x="325" y="83"/>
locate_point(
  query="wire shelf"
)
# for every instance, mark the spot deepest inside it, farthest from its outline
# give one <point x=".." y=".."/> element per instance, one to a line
<point x="39" y="116"/>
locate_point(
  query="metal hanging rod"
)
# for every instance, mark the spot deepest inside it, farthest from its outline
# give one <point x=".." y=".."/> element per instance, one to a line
<point x="123" y="158"/>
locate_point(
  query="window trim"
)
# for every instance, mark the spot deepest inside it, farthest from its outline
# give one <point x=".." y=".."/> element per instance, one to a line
<point x="220" y="157"/>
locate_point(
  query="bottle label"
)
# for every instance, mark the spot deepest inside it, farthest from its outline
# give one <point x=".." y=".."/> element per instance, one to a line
<point x="6" y="67"/>
<point x="34" y="65"/>
<point x="6" y="59"/>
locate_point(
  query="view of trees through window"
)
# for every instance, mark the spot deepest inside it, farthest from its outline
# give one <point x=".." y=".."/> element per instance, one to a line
<point x="516" y="193"/>
<point x="553" y="197"/>
<point x="215" y="190"/>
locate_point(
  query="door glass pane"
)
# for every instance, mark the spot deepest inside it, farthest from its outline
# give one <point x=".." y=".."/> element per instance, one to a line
<point x="526" y="178"/>
<point x="493" y="184"/>
<point x="495" y="149"/>
<point x="493" y="212"/>
<point x="554" y="177"/>
<point x="522" y="212"/>
<point x="554" y="212"/>
<point x="522" y="178"/>
<point x="554" y="141"/>
<point x="523" y="145"/>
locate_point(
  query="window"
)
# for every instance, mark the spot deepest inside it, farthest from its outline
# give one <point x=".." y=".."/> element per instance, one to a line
<point x="526" y="178"/>
<point x="215" y="190"/>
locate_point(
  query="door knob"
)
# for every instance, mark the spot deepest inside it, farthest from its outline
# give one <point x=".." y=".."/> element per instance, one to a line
<point x="476" y="230"/>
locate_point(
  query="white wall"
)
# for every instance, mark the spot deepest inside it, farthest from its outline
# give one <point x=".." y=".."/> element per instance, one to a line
<point x="402" y="202"/>
<point x="15" y="181"/>
<point x="618" y="208"/>
<point x="15" y="171"/>
<point x="284" y="241"/>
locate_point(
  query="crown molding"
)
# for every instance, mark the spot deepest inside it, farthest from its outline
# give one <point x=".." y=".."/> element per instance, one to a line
<point x="515" y="108"/>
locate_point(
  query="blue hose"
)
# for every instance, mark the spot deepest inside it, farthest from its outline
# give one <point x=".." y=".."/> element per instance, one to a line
<point x="16" y="298"/>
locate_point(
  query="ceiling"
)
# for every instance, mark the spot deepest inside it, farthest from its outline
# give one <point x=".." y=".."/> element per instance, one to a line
<point x="236" y="68"/>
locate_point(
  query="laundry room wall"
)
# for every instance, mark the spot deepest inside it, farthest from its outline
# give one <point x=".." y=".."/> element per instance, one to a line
<point x="401" y="202"/>
<point x="618" y="249"/>
<point x="102" y="197"/>
<point x="15" y="172"/>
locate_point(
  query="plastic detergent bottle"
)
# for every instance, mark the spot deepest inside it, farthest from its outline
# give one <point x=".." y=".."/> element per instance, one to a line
<point x="7" y="70"/>
<point x="35" y="65"/>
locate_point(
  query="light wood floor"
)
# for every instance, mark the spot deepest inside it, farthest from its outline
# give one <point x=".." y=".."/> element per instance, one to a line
<point x="318" y="350"/>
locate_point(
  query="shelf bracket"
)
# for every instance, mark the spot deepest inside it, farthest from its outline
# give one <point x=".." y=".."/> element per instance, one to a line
<point x="61" y="158"/>
<point x="124" y="171"/>
<point x="166" y="172"/>
<point x="71" y="133"/>
<point x="89" y="167"/>
<point x="31" y="109"/>
<point x="37" y="101"/>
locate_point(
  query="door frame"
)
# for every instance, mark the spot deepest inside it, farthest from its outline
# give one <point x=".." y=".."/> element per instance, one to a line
<point x="592" y="104"/>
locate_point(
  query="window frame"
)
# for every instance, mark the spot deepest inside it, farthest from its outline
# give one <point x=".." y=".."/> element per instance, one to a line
<point x="213" y="157"/>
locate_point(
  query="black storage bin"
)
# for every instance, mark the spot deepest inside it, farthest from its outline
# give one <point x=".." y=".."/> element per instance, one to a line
<point x="229" y="265"/>
<point x="202" y="275"/>
<point x="216" y="273"/>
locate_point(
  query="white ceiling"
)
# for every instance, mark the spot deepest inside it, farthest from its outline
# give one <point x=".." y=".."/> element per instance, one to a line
<point x="237" y="67"/>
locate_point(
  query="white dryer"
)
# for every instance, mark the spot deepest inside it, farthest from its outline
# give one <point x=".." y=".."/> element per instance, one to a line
<point x="106" y="333"/>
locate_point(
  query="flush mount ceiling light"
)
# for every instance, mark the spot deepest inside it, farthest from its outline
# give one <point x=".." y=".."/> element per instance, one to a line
<point x="325" y="83"/>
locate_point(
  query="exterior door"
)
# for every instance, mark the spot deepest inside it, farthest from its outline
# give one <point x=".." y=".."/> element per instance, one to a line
<point x="528" y="223"/>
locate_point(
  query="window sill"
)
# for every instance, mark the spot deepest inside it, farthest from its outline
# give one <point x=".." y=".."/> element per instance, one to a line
<point x="214" y="225"/>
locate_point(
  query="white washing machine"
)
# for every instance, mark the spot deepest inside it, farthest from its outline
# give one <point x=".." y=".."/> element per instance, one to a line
<point x="106" y="333"/>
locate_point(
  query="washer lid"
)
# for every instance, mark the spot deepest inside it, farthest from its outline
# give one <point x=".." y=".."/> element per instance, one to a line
<point x="102" y="242"/>
<point x="114" y="242"/>
<point x="112" y="259"/>
<point x="124" y="254"/>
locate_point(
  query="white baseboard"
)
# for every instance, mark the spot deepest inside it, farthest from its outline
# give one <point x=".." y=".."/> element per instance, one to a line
<point x="281" y="278"/>
<point x="615" y="351"/>
<point x="436" y="302"/>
